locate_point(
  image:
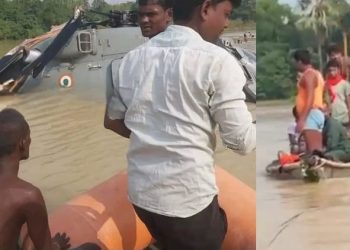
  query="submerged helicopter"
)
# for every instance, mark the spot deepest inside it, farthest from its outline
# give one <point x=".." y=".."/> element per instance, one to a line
<point x="79" y="54"/>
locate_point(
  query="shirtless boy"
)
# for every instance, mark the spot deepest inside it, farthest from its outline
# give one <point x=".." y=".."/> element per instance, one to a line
<point x="21" y="202"/>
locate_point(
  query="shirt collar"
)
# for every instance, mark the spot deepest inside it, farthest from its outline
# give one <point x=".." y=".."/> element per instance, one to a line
<point x="184" y="29"/>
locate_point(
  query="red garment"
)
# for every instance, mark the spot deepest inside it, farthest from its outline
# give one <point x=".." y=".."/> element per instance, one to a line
<point x="331" y="82"/>
<point x="285" y="158"/>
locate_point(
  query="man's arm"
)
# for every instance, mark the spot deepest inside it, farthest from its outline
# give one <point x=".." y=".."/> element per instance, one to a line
<point x="327" y="99"/>
<point x="347" y="96"/>
<point x="228" y="108"/>
<point x="117" y="126"/>
<point x="346" y="67"/>
<point x="348" y="105"/>
<point x="115" y="108"/>
<point x="37" y="223"/>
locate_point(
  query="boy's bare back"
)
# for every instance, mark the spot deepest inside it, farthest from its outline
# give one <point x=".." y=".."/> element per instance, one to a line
<point x="20" y="200"/>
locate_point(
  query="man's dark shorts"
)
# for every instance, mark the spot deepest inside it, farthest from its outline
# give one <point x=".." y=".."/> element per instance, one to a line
<point x="203" y="231"/>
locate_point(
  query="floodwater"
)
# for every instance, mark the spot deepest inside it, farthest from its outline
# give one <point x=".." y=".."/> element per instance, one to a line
<point x="291" y="214"/>
<point x="71" y="151"/>
<point x="237" y="39"/>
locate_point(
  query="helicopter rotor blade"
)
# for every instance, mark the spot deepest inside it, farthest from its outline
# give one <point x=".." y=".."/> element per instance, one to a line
<point x="51" y="51"/>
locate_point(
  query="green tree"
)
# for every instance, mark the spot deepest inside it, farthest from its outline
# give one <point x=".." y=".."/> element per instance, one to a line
<point x="276" y="34"/>
<point x="318" y="15"/>
<point x="246" y="12"/>
<point x="100" y="5"/>
<point x="275" y="79"/>
<point x="125" y="6"/>
<point x="343" y="22"/>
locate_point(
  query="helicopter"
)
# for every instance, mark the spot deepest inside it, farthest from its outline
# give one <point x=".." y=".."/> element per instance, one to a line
<point x="79" y="54"/>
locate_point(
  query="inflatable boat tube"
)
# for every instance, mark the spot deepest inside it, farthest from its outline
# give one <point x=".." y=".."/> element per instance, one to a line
<point x="104" y="216"/>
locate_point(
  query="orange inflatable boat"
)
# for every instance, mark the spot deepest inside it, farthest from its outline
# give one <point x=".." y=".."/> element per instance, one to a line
<point x="104" y="216"/>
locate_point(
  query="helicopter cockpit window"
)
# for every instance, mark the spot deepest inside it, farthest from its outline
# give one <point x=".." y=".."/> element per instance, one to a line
<point x="85" y="42"/>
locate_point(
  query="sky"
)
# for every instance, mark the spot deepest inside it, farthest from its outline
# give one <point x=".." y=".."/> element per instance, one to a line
<point x="292" y="3"/>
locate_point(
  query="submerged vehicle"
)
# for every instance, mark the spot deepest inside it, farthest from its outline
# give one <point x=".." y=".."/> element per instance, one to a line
<point x="79" y="54"/>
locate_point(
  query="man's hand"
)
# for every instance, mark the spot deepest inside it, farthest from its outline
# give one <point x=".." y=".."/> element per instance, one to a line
<point x="62" y="240"/>
<point x="300" y="126"/>
<point x="117" y="126"/>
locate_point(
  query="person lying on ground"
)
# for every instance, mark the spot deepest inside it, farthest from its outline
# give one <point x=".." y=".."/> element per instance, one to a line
<point x="21" y="202"/>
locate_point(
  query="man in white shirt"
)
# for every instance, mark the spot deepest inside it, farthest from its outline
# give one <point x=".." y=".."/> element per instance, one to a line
<point x="169" y="94"/>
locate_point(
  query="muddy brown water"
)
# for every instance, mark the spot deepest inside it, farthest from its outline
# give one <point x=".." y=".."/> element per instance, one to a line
<point x="292" y="214"/>
<point x="71" y="151"/>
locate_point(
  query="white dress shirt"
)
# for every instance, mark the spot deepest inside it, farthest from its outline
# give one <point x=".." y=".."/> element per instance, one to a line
<point x="171" y="93"/>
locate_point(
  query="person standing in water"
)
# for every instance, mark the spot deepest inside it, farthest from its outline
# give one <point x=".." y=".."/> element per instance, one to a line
<point x="309" y="102"/>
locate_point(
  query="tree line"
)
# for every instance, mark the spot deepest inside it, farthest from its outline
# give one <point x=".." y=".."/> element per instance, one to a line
<point x="280" y="31"/>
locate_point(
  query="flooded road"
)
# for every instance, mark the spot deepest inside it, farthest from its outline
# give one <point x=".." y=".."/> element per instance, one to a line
<point x="291" y="214"/>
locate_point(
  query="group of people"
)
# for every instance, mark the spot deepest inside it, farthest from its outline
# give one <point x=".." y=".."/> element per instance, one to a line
<point x="322" y="110"/>
<point x="168" y="96"/>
